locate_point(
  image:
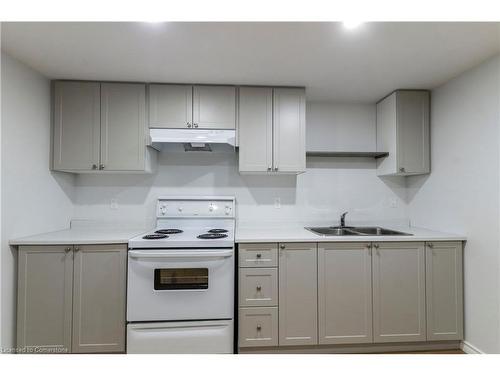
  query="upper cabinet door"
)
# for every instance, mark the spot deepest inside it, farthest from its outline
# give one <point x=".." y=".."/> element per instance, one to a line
<point x="399" y="292"/>
<point x="255" y="128"/>
<point x="413" y="132"/>
<point x="444" y="287"/>
<point x="123" y="126"/>
<point x="345" y="293"/>
<point x="76" y="125"/>
<point x="214" y="107"/>
<point x="45" y="279"/>
<point x="99" y="298"/>
<point x="289" y="130"/>
<point x="298" y="298"/>
<point x="170" y="106"/>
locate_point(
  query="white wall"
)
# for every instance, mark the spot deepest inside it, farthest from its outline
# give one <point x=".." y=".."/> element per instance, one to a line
<point x="329" y="186"/>
<point x="341" y="127"/>
<point x="462" y="193"/>
<point x="34" y="199"/>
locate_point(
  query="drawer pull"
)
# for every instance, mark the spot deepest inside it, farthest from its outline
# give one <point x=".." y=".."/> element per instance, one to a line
<point x="259" y="288"/>
<point x="282" y="247"/>
<point x="259" y="255"/>
<point x="259" y="327"/>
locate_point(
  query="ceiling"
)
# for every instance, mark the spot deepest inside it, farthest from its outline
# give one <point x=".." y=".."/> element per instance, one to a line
<point x="334" y="63"/>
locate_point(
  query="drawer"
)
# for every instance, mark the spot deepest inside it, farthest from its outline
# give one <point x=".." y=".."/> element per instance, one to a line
<point x="258" y="286"/>
<point x="258" y="326"/>
<point x="258" y="255"/>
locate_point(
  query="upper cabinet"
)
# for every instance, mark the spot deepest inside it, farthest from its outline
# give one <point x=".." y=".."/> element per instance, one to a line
<point x="187" y="106"/>
<point x="271" y="127"/>
<point x="100" y="127"/>
<point x="403" y="131"/>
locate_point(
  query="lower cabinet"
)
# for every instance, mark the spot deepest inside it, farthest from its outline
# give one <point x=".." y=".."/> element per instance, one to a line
<point x="72" y="298"/>
<point x="399" y="292"/>
<point x="298" y="290"/>
<point x="341" y="293"/>
<point x="345" y="293"/>
<point x="444" y="291"/>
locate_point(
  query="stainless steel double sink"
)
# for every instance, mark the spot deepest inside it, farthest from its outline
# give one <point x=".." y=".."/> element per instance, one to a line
<point x="356" y="231"/>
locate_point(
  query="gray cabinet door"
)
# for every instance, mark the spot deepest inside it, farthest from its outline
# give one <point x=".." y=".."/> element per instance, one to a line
<point x="170" y="106"/>
<point x="45" y="279"/>
<point x="413" y="132"/>
<point x="344" y="293"/>
<point x="76" y="126"/>
<point x="399" y="292"/>
<point x="99" y="298"/>
<point x="298" y="294"/>
<point x="214" y="107"/>
<point x="123" y="126"/>
<point x="289" y="124"/>
<point x="444" y="286"/>
<point x="255" y="128"/>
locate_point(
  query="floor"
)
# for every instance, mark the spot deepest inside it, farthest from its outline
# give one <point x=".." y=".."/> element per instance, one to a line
<point x="454" y="351"/>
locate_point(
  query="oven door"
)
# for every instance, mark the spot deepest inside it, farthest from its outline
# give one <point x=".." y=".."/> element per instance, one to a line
<point x="180" y="284"/>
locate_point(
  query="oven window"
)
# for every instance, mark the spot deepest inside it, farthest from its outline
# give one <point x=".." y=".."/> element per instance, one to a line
<point x="181" y="278"/>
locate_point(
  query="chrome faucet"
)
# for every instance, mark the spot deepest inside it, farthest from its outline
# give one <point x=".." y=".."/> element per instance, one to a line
<point x="342" y="219"/>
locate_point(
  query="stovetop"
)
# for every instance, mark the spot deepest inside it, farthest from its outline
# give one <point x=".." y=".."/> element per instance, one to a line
<point x="187" y="234"/>
<point x="190" y="222"/>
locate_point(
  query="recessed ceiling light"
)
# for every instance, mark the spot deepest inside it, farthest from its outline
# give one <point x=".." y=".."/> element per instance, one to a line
<point x="352" y="24"/>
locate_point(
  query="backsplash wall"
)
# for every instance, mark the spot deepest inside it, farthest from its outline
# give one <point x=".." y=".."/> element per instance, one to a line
<point x="329" y="187"/>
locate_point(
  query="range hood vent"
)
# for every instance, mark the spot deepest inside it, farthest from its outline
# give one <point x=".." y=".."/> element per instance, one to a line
<point x="197" y="138"/>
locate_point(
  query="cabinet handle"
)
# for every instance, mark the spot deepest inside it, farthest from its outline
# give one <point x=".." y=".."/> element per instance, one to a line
<point x="269" y="169"/>
<point x="259" y="327"/>
<point x="195" y="125"/>
<point x="402" y="170"/>
<point x="259" y="288"/>
<point x="276" y="169"/>
<point x="101" y="166"/>
<point x="376" y="245"/>
<point x="67" y="250"/>
<point x="77" y="248"/>
<point x="431" y="245"/>
<point x="188" y="124"/>
<point x="282" y="246"/>
<point x="94" y="166"/>
<point x="259" y="255"/>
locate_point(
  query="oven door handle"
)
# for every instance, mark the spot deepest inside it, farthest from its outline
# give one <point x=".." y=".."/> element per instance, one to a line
<point x="180" y="254"/>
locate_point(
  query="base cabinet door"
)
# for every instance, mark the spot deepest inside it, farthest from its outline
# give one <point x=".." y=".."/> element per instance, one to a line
<point x="344" y="293"/>
<point x="298" y="294"/>
<point x="45" y="278"/>
<point x="399" y="292"/>
<point x="99" y="298"/>
<point x="444" y="291"/>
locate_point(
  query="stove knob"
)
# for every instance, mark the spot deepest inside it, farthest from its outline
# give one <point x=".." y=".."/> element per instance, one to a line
<point x="179" y="209"/>
<point x="228" y="210"/>
<point x="211" y="207"/>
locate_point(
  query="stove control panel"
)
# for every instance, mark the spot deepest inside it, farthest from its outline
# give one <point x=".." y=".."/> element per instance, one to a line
<point x="195" y="207"/>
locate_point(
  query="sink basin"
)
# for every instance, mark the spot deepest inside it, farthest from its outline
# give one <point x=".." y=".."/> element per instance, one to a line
<point x="332" y="231"/>
<point x="355" y="231"/>
<point x="378" y="231"/>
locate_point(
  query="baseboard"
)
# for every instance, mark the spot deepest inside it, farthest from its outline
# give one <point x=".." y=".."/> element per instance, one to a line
<point x="355" y="348"/>
<point x="469" y="348"/>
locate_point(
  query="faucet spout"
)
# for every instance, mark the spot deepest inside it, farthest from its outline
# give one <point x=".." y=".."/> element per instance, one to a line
<point x="342" y="219"/>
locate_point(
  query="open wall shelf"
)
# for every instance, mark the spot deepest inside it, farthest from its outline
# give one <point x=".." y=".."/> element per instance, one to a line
<point x="346" y="154"/>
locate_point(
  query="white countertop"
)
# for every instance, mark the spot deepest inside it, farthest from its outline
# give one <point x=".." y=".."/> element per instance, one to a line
<point x="297" y="233"/>
<point x="89" y="234"/>
<point x="99" y="233"/>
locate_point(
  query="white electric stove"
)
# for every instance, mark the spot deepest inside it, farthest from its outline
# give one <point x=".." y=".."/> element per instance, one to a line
<point x="180" y="296"/>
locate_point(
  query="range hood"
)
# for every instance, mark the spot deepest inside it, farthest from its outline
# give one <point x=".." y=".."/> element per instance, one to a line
<point x="196" y="138"/>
